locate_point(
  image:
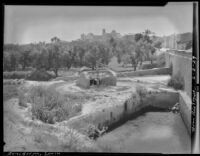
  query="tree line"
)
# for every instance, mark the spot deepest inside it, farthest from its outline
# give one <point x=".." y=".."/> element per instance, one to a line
<point x="129" y="49"/>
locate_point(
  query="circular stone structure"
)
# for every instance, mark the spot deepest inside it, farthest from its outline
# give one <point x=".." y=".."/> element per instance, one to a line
<point x="99" y="77"/>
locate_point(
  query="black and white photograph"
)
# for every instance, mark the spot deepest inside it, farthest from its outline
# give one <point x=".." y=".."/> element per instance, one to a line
<point x="100" y="79"/>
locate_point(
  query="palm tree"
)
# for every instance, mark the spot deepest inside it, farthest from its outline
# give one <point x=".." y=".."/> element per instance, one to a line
<point x="55" y="39"/>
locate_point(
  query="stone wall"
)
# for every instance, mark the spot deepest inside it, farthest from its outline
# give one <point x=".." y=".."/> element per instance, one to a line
<point x="182" y="65"/>
<point x="114" y="114"/>
<point x="155" y="71"/>
<point x="185" y="109"/>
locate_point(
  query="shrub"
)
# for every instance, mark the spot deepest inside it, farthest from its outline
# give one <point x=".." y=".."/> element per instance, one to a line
<point x="177" y="82"/>
<point x="160" y="60"/>
<point x="49" y="106"/>
<point x="141" y="91"/>
<point x="13" y="81"/>
<point x="40" y="75"/>
<point x="148" y="66"/>
<point x="16" y="74"/>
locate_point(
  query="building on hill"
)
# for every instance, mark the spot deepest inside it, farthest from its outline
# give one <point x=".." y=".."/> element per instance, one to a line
<point x="104" y="36"/>
<point x="178" y="41"/>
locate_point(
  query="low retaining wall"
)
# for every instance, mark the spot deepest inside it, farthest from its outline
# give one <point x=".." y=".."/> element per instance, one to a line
<point x="112" y="115"/>
<point x="155" y="71"/>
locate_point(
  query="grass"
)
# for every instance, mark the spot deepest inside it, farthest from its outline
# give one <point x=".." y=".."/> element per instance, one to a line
<point x="13" y="81"/>
<point x="50" y="106"/>
<point x="10" y="91"/>
<point x="62" y="140"/>
<point x="16" y="74"/>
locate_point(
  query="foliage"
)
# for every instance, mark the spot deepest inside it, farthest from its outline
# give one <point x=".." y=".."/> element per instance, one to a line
<point x="188" y="45"/>
<point x="148" y="66"/>
<point x="126" y="60"/>
<point x="16" y="74"/>
<point x="93" y="131"/>
<point x="141" y="91"/>
<point x="82" y="52"/>
<point x="158" y="44"/>
<point x="49" y="106"/>
<point x="40" y="75"/>
<point x="160" y="60"/>
<point x="177" y="82"/>
<point x="9" y="91"/>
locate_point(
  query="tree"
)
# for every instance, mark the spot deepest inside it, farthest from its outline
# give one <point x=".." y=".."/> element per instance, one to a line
<point x="158" y="44"/>
<point x="188" y="45"/>
<point x="68" y="58"/>
<point x="138" y="36"/>
<point x="25" y="59"/>
<point x="92" y="55"/>
<point x="13" y="61"/>
<point x="136" y="55"/>
<point x="41" y="59"/>
<point x="126" y="59"/>
<point x="6" y="62"/>
<point x="55" y="55"/>
<point x="104" y="53"/>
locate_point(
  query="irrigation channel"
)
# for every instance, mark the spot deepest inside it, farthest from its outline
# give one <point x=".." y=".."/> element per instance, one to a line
<point x="150" y="130"/>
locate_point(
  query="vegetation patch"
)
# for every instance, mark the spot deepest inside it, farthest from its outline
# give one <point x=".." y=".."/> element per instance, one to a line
<point x="149" y="66"/>
<point x="48" y="105"/>
<point x="160" y="60"/>
<point x="16" y="74"/>
<point x="9" y="91"/>
<point x="177" y="82"/>
<point x="141" y="91"/>
<point x="13" y="81"/>
<point x="40" y="75"/>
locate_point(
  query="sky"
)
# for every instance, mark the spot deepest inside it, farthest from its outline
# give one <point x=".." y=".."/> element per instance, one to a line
<point x="26" y="24"/>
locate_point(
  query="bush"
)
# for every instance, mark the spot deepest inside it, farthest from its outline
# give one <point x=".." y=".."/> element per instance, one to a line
<point x="13" y="81"/>
<point x="141" y="91"/>
<point x="16" y="74"/>
<point x="148" y="66"/>
<point x="40" y="75"/>
<point x="50" y="107"/>
<point x="160" y="60"/>
<point x="177" y="82"/>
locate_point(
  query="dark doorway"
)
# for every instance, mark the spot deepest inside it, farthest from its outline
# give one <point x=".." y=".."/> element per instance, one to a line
<point x="94" y="82"/>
